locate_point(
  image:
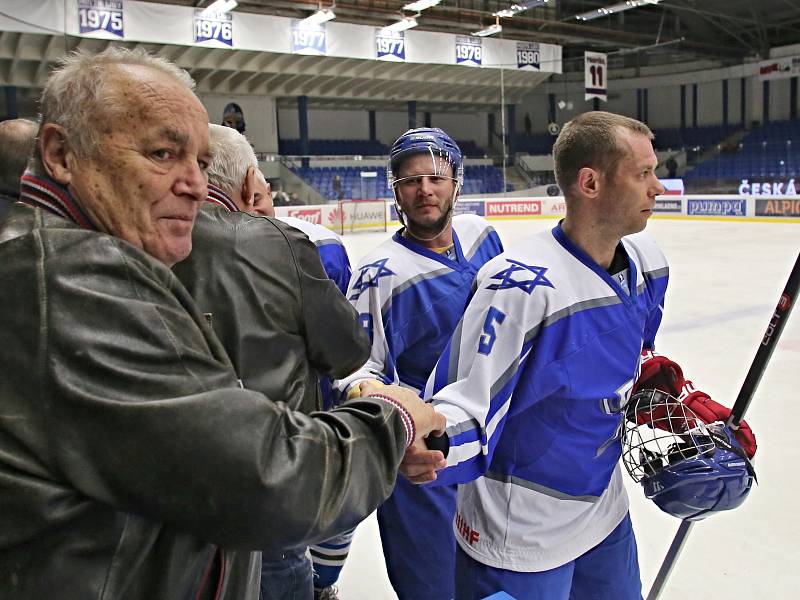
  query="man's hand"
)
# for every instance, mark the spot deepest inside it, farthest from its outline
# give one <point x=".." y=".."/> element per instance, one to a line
<point x="355" y="390"/>
<point x="419" y="464"/>
<point x="426" y="420"/>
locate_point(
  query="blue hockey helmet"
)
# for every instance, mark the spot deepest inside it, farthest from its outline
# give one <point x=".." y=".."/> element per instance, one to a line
<point x="689" y="468"/>
<point x="425" y="140"/>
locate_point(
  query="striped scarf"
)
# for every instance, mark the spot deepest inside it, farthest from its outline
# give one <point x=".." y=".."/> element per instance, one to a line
<point x="44" y="193"/>
<point x="217" y="196"/>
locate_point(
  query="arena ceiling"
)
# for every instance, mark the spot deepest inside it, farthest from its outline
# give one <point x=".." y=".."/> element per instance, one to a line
<point x="725" y="32"/>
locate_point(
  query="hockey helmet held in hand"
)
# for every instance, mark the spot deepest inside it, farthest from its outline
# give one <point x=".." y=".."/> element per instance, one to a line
<point x="690" y="469"/>
<point x="431" y="140"/>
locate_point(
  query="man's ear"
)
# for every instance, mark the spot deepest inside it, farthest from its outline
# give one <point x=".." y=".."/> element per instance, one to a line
<point x="588" y="182"/>
<point x="58" y="158"/>
<point x="248" y="189"/>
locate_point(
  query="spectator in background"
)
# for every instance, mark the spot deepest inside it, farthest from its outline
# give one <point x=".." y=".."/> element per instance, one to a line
<point x="233" y="117"/>
<point x="338" y="192"/>
<point x="672" y="167"/>
<point x="280" y="197"/>
<point x="16" y="143"/>
<point x="294" y="199"/>
<point x="528" y="125"/>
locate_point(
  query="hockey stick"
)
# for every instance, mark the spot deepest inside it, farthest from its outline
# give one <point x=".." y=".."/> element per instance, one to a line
<point x="763" y="354"/>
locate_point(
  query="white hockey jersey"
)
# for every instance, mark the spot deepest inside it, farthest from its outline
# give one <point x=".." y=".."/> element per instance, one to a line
<point x="533" y="385"/>
<point x="410" y="299"/>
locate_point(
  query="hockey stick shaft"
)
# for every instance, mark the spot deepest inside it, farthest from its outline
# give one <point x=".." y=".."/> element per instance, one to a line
<point x="670" y="559"/>
<point x="768" y="343"/>
<point x="751" y="381"/>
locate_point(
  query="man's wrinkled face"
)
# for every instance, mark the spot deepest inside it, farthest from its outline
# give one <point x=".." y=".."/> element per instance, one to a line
<point x="146" y="180"/>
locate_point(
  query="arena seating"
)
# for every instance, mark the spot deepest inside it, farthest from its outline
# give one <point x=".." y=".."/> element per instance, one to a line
<point x="692" y="138"/>
<point x="334" y="147"/>
<point x="470" y="149"/>
<point x="480" y="179"/>
<point x="291" y="147"/>
<point x="766" y="151"/>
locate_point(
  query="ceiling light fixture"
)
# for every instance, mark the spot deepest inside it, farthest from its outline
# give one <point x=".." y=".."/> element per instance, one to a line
<point x="491" y="30"/>
<point x="519" y="7"/>
<point x="323" y="15"/>
<point x="402" y="24"/>
<point x="420" y="5"/>
<point x="219" y="6"/>
<point x="614" y="8"/>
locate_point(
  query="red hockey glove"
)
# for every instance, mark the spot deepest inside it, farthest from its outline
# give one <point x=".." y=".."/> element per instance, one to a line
<point x="709" y="411"/>
<point x="659" y="373"/>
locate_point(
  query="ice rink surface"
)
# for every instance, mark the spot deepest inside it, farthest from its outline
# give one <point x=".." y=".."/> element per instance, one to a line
<point x="725" y="281"/>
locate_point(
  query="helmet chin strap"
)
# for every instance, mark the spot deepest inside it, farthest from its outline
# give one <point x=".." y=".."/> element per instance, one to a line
<point x="447" y="222"/>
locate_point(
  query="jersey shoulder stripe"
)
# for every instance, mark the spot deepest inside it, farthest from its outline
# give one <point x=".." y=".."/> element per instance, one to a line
<point x="318" y="234"/>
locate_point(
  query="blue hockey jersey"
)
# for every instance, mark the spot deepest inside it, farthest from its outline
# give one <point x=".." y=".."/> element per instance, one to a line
<point x="410" y="299"/>
<point x="533" y="385"/>
<point x="332" y="252"/>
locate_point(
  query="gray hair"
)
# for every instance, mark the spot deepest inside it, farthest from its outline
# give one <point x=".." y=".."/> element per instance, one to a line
<point x="17" y="137"/>
<point x="232" y="156"/>
<point x="78" y="90"/>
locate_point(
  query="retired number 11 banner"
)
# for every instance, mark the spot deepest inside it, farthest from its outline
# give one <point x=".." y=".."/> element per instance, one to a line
<point x="595" y="75"/>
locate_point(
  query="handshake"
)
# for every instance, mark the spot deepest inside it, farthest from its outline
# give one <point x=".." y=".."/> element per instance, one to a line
<point x="419" y="464"/>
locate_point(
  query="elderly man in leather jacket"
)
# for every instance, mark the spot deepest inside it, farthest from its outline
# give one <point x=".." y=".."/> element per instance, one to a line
<point x="282" y="321"/>
<point x="133" y="465"/>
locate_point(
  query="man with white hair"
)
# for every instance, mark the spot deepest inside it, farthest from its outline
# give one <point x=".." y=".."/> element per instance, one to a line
<point x="269" y="301"/>
<point x="234" y="181"/>
<point x="133" y="464"/>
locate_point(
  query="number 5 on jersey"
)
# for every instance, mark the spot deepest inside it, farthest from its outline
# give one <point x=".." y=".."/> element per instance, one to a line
<point x="489" y="335"/>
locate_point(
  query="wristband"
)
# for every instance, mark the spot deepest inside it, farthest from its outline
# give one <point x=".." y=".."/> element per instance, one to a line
<point x="408" y="421"/>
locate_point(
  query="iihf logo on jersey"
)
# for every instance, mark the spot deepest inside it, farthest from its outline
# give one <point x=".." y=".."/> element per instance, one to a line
<point x="368" y="277"/>
<point x="507" y="280"/>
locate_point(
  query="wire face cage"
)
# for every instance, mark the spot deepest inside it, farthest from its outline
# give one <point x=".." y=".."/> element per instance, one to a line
<point x="662" y="431"/>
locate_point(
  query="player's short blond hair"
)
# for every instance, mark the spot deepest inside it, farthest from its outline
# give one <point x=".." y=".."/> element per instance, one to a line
<point x="592" y="140"/>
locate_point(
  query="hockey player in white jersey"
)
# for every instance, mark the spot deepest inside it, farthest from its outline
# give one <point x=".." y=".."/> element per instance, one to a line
<point x="535" y="380"/>
<point x="410" y="292"/>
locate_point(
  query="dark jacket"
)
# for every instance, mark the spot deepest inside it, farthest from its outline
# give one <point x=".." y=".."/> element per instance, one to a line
<point x="127" y="451"/>
<point x="6" y="202"/>
<point x="282" y="321"/>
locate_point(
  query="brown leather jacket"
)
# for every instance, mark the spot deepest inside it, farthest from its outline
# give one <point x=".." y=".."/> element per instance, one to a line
<point x="282" y="321"/>
<point x="128" y="454"/>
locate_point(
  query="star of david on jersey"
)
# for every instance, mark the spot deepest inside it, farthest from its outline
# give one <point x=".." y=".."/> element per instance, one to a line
<point x="369" y="276"/>
<point x="507" y="280"/>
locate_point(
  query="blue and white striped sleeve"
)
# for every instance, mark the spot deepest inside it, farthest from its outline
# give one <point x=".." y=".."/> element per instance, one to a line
<point x="335" y="261"/>
<point x="473" y="382"/>
<point x="370" y="292"/>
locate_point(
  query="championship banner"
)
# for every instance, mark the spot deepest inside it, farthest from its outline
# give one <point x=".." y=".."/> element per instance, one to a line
<point x="390" y="45"/>
<point x="779" y="68"/>
<point x="595" y="75"/>
<point x="528" y="57"/>
<point x="213" y="29"/>
<point x="469" y="51"/>
<point x="309" y="39"/>
<point x="101" y="19"/>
